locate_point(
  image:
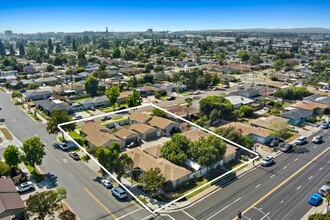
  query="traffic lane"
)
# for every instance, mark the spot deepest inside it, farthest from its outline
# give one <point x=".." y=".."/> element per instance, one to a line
<point x="244" y="187"/>
<point x="296" y="193"/>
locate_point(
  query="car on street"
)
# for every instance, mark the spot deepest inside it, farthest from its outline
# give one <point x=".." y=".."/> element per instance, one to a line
<point x="170" y="98"/>
<point x="286" y="148"/>
<point x="118" y="193"/>
<point x="63" y="146"/>
<point x="317" y="139"/>
<point x="324" y="125"/>
<point x="301" y="140"/>
<point x="74" y="155"/>
<point x="197" y="92"/>
<point x="23" y="187"/>
<point x="104" y="118"/>
<point x="324" y="190"/>
<point x="274" y="142"/>
<point x="2" y="120"/>
<point x="315" y="199"/>
<point x="267" y="161"/>
<point x="107" y="183"/>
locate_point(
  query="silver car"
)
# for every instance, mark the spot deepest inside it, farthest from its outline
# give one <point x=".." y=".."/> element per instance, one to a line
<point x="267" y="161"/>
<point x="25" y="187"/>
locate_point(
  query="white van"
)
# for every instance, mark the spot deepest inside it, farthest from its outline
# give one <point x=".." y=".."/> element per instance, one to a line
<point x="301" y="140"/>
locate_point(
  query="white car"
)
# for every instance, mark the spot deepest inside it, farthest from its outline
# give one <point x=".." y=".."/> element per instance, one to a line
<point x="25" y="187"/>
<point x="63" y="146"/>
<point x="197" y="92"/>
<point x="267" y="161"/>
<point x="118" y="193"/>
<point x="107" y="183"/>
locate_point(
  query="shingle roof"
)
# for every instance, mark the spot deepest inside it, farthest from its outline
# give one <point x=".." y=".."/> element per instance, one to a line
<point x="7" y="185"/>
<point x="182" y="110"/>
<point x="51" y="106"/>
<point x="98" y="134"/>
<point x="125" y="133"/>
<point x="139" y="117"/>
<point x="195" y="135"/>
<point x="266" y="122"/>
<point x="310" y="105"/>
<point x="10" y="201"/>
<point x="142" y="128"/>
<point x="37" y="92"/>
<point x="145" y="161"/>
<point x="296" y="114"/>
<point x="248" y="129"/>
<point x="160" y="122"/>
<point x="94" y="100"/>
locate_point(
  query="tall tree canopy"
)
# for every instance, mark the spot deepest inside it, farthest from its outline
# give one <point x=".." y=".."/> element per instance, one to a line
<point x="34" y="151"/>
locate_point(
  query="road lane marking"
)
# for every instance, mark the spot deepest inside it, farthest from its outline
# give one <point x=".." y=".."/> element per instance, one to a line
<point x="48" y="152"/>
<point x="296" y="159"/>
<point x="188" y="214"/>
<point x="314" y="146"/>
<point x="285" y="181"/>
<point x="272" y="176"/>
<point x="224" y="208"/>
<point x="265" y="216"/>
<point x="281" y="202"/>
<point x="129" y="213"/>
<point x="100" y="203"/>
<point x="258" y="185"/>
<point x="65" y="160"/>
<point x="310" y="177"/>
<point x="321" y="169"/>
<point x="298" y="187"/>
<point x="285" y="167"/>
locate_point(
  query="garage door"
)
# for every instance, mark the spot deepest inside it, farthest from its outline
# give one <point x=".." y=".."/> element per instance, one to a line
<point x="151" y="135"/>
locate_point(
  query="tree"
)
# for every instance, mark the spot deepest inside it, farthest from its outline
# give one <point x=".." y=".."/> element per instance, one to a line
<point x="207" y="151"/>
<point x="34" y="151"/>
<point x="279" y="129"/>
<point x="175" y="149"/>
<point x="16" y="94"/>
<point x="50" y="46"/>
<point x="12" y="156"/>
<point x="61" y="195"/>
<point x="246" y="111"/>
<point x="319" y="216"/>
<point x="113" y="93"/>
<point x="158" y="112"/>
<point x="21" y="50"/>
<point x="235" y="135"/>
<point x="2" y="49"/>
<point x="278" y="64"/>
<point x="74" y="45"/>
<point x="134" y="100"/>
<point x="42" y="204"/>
<point x="59" y="117"/>
<point x="50" y="68"/>
<point x="58" y="48"/>
<point x="91" y="85"/>
<point x="153" y="179"/>
<point x="4" y="168"/>
<point x="209" y="103"/>
<point x="292" y="93"/>
<point x="124" y="163"/>
<point x="116" y="53"/>
<point x="12" y="52"/>
<point x="82" y="62"/>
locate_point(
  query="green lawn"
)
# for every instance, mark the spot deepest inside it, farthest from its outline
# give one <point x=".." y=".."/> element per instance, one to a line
<point x="198" y="184"/>
<point x="80" y="99"/>
<point x="118" y="118"/>
<point x="106" y="109"/>
<point x="35" y="174"/>
<point x="6" y="133"/>
<point x="141" y="198"/>
<point x="43" y="114"/>
<point x="34" y="117"/>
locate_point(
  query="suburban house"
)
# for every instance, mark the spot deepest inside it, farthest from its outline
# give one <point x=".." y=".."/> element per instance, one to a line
<point x="11" y="203"/>
<point x="268" y="122"/>
<point x="247" y="93"/>
<point x="196" y="135"/>
<point x="138" y="117"/>
<point x="98" y="135"/>
<point x="297" y="116"/>
<point x="183" y="111"/>
<point x="35" y="95"/>
<point x="69" y="90"/>
<point x="48" y="106"/>
<point x="127" y="136"/>
<point x="123" y="96"/>
<point x="166" y="126"/>
<point x="172" y="172"/>
<point x="46" y="81"/>
<point x="145" y="132"/>
<point x="315" y="108"/>
<point x="149" y="90"/>
<point x="98" y="101"/>
<point x="319" y="99"/>
<point x="238" y="101"/>
<point x="258" y="134"/>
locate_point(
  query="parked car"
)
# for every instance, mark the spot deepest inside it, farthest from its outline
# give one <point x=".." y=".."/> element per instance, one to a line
<point x="118" y="193"/>
<point x="267" y="161"/>
<point x="226" y="86"/>
<point x="63" y="146"/>
<point x="120" y="108"/>
<point x="188" y="100"/>
<point x="301" y="140"/>
<point x="240" y="87"/>
<point x="78" y="117"/>
<point x="325" y="125"/>
<point x="104" y="118"/>
<point x="92" y="108"/>
<point x="107" y="183"/>
<point x="74" y="155"/>
<point x="286" y="148"/>
<point x="317" y="139"/>
<point x="324" y="190"/>
<point x="197" y="92"/>
<point x="2" y="120"/>
<point x="293" y="129"/>
<point x="274" y="142"/>
<point x="170" y="98"/>
<point x="131" y="145"/>
<point x="25" y="187"/>
<point x="315" y="199"/>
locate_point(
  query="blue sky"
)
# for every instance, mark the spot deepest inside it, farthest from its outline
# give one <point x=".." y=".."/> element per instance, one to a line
<point x="26" y="16"/>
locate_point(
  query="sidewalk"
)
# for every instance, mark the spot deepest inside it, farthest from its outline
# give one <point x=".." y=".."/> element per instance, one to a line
<point x="318" y="209"/>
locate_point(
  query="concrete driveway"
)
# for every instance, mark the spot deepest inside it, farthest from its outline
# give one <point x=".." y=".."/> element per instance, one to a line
<point x="160" y="141"/>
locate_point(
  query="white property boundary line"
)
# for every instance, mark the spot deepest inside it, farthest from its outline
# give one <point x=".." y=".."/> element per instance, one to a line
<point x="170" y="113"/>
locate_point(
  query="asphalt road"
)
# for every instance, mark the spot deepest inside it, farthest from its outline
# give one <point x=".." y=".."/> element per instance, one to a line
<point x="88" y="198"/>
<point x="247" y="190"/>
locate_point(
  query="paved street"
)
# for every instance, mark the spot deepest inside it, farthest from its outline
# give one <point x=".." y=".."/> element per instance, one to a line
<point x="247" y="190"/>
<point x="88" y="198"/>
